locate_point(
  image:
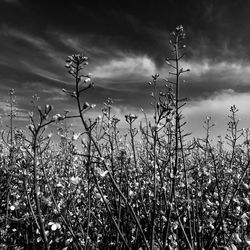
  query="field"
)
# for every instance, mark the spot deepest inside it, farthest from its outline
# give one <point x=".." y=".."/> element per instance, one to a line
<point x="152" y="188"/>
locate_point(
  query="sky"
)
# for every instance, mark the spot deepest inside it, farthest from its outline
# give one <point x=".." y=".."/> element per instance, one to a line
<point x="126" y="42"/>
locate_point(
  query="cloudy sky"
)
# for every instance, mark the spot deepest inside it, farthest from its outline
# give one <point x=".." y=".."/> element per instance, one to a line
<point x="127" y="42"/>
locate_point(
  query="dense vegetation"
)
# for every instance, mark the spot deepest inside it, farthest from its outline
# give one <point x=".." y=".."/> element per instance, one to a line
<point x="149" y="189"/>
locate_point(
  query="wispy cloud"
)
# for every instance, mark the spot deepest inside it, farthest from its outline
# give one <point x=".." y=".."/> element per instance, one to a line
<point x="126" y="67"/>
<point x="31" y="39"/>
<point x="44" y="73"/>
<point x="38" y="44"/>
<point x="235" y="70"/>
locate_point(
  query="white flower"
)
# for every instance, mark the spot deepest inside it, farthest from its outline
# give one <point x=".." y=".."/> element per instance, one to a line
<point x="75" y="180"/>
<point x="76" y="136"/>
<point x="58" y="117"/>
<point x="55" y="117"/>
<point x="131" y="193"/>
<point x="12" y="208"/>
<point x="247" y="239"/>
<point x="87" y="80"/>
<point x="237" y="238"/>
<point x="246" y="186"/>
<point x="103" y="173"/>
<point x="59" y="185"/>
<point x="209" y="203"/>
<point x="55" y="226"/>
<point x="50" y="135"/>
<point x="67" y="65"/>
<point x="98" y="196"/>
<point x="246" y="200"/>
<point x="68" y="241"/>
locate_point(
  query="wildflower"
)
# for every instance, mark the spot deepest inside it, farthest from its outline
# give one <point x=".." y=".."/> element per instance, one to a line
<point x="68" y="241"/>
<point x="58" y="117"/>
<point x="48" y="108"/>
<point x="98" y="196"/>
<point x="103" y="173"/>
<point x="68" y="65"/>
<point x="209" y="203"/>
<point x="105" y="197"/>
<point x="247" y="239"/>
<point x="130" y="118"/>
<point x="59" y="185"/>
<point x="12" y="208"/>
<point x="73" y="94"/>
<point x="11" y="92"/>
<point x="246" y="200"/>
<point x="246" y="186"/>
<point x="69" y="59"/>
<point x="237" y="238"/>
<point x="131" y="193"/>
<point x="179" y="28"/>
<point x="99" y="118"/>
<point x="49" y="135"/>
<point x="75" y="180"/>
<point x="76" y="136"/>
<point x="54" y="226"/>
<point x="87" y="80"/>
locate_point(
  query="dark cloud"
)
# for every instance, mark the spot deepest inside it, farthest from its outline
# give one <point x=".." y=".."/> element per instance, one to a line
<point x="126" y="42"/>
<point x="11" y="1"/>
